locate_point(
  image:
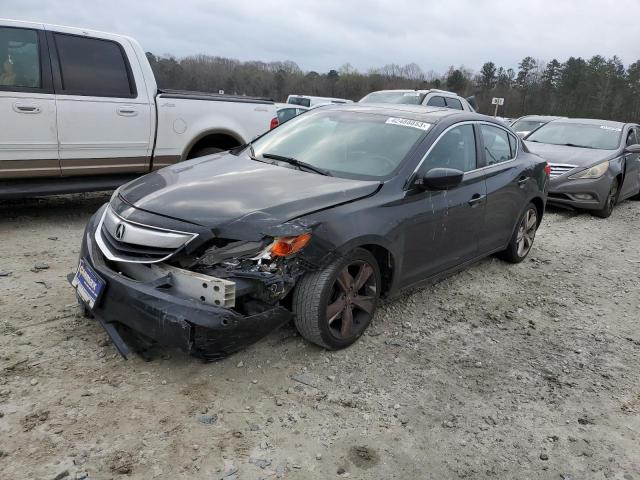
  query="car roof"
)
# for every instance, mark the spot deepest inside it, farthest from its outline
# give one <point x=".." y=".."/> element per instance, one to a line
<point x="290" y="105"/>
<point x="408" y="90"/>
<point x="413" y="112"/>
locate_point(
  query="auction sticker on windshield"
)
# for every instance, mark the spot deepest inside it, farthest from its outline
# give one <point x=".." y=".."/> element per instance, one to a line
<point x="405" y="122"/>
<point x="613" y="129"/>
<point x="88" y="284"/>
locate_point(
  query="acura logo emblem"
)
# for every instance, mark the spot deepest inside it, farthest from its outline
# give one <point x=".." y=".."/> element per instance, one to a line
<point x="120" y="231"/>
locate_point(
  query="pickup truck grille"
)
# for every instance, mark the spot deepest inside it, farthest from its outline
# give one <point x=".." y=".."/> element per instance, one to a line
<point x="558" y="169"/>
<point x="124" y="241"/>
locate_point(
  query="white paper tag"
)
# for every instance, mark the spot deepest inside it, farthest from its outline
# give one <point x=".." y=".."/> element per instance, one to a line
<point x="613" y="129"/>
<point x="405" y="122"/>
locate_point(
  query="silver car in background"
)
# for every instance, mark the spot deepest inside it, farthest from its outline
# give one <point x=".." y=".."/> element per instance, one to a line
<point x="594" y="163"/>
<point x="523" y="126"/>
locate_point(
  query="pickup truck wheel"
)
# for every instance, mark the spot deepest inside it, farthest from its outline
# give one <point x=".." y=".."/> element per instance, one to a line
<point x="334" y="306"/>
<point x="201" y="152"/>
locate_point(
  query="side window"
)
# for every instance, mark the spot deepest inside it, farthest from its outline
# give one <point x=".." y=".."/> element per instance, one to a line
<point x="436" y="102"/>
<point x="631" y="137"/>
<point x="454" y="103"/>
<point x="19" y="58"/>
<point x="455" y="149"/>
<point x="90" y="66"/>
<point x="513" y="144"/>
<point x="497" y="147"/>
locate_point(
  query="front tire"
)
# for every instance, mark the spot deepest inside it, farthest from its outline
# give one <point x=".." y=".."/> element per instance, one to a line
<point x="610" y="202"/>
<point x="522" y="239"/>
<point x="334" y="306"/>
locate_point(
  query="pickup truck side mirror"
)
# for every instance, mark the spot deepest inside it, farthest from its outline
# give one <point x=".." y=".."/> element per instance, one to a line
<point x="440" y="179"/>
<point x="635" y="148"/>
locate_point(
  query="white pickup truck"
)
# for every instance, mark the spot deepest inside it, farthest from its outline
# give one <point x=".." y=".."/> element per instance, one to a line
<point x="80" y="111"/>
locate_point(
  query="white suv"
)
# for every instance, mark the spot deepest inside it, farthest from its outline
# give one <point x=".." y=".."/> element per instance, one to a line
<point x="431" y="98"/>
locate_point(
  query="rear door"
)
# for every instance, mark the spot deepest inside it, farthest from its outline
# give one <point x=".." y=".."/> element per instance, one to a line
<point x="104" y="114"/>
<point x="631" y="183"/>
<point x="28" y="130"/>
<point x="509" y="178"/>
<point x="446" y="225"/>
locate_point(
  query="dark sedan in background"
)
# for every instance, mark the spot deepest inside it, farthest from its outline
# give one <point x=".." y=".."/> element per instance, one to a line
<point x="315" y="221"/>
<point x="594" y="163"/>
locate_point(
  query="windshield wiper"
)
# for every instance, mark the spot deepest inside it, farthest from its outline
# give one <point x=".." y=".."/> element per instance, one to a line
<point x="574" y="145"/>
<point x="297" y="163"/>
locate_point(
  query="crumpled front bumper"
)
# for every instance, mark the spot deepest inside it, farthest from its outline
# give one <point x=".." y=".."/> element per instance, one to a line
<point x="151" y="309"/>
<point x="562" y="191"/>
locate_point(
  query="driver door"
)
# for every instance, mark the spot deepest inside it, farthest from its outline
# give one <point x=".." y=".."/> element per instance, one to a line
<point x="444" y="230"/>
<point x="631" y="183"/>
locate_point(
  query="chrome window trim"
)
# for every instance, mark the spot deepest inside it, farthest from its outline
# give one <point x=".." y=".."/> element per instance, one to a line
<point x="469" y="122"/>
<point x="113" y="257"/>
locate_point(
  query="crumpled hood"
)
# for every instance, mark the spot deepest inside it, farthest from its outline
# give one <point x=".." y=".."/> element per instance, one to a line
<point x="233" y="192"/>
<point x="581" y="157"/>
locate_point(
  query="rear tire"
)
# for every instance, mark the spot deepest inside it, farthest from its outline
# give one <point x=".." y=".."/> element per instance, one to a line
<point x="334" y="306"/>
<point x="610" y="203"/>
<point x="522" y="240"/>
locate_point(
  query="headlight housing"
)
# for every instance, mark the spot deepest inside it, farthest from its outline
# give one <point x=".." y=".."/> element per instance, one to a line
<point x="594" y="172"/>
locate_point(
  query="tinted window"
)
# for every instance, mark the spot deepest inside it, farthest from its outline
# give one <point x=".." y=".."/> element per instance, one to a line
<point x="93" y="67"/>
<point x="496" y="144"/>
<point x="631" y="138"/>
<point x="286" y="114"/>
<point x="454" y="103"/>
<point x="605" y="136"/>
<point x="19" y="58"/>
<point x="513" y="144"/>
<point x="436" y="102"/>
<point x="456" y="149"/>
<point x="348" y="144"/>
<point x="305" y="102"/>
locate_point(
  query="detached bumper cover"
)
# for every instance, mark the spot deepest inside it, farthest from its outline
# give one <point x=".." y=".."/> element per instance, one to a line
<point x="191" y="326"/>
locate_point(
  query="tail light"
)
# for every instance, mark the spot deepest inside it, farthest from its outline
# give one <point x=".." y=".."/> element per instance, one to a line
<point x="547" y="169"/>
<point x="274" y="123"/>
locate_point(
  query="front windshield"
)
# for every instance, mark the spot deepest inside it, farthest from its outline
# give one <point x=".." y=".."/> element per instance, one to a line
<point x="344" y="143"/>
<point x="587" y="135"/>
<point x="406" y="98"/>
<point x="526" y="125"/>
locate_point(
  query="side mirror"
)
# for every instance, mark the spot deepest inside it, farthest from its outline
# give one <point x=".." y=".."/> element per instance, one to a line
<point x="440" y="179"/>
<point x="635" y="148"/>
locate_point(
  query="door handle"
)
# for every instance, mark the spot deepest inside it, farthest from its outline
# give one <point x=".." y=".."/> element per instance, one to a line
<point x="476" y="200"/>
<point x="522" y="181"/>
<point x="26" y="108"/>
<point x="127" y="111"/>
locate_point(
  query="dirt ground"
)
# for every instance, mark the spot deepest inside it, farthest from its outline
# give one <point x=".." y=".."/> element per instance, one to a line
<point x="527" y="371"/>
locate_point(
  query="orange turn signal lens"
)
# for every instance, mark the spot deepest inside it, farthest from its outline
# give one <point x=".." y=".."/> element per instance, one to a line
<point x="285" y="246"/>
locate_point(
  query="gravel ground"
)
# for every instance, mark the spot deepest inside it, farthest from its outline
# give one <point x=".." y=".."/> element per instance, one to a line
<point x="526" y="371"/>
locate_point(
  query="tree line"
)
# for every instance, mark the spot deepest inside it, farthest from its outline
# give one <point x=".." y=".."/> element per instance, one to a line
<point x="593" y="88"/>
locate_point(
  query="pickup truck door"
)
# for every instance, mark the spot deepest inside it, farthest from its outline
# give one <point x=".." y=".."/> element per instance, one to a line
<point x="105" y="117"/>
<point x="28" y="132"/>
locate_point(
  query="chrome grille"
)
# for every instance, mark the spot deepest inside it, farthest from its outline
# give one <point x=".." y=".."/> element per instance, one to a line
<point x="558" y="169"/>
<point x="125" y="241"/>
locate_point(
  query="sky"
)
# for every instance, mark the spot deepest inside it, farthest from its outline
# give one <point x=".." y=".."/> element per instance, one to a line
<point x="323" y="35"/>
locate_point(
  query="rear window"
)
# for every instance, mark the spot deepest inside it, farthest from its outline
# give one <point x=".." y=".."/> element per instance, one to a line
<point x="403" y="98"/>
<point x="90" y="66"/>
<point x="305" y="102"/>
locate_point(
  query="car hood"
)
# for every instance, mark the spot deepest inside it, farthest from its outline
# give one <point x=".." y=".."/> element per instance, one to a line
<point x="234" y="193"/>
<point x="581" y="157"/>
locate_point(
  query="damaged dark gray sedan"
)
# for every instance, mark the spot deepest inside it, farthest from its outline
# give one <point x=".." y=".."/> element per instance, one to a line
<point x="314" y="221"/>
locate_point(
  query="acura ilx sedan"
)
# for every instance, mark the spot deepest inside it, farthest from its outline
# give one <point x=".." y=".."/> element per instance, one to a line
<point x="313" y="222"/>
<point x="594" y="163"/>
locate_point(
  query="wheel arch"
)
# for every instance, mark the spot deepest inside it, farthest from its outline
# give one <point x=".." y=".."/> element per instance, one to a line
<point x="220" y="138"/>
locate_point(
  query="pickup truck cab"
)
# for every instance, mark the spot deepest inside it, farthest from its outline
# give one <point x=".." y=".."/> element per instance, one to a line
<point x="311" y="101"/>
<point x="80" y="111"/>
